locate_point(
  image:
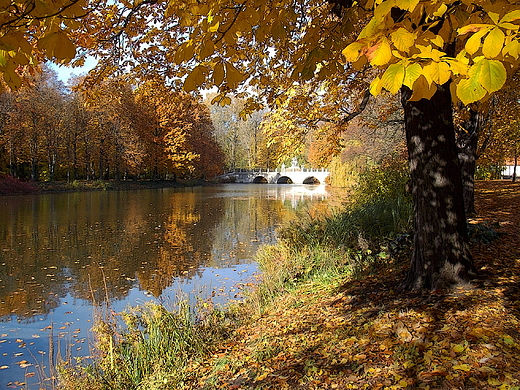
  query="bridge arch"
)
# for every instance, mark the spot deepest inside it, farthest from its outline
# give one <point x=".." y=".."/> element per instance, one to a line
<point x="284" y="180"/>
<point x="260" y="180"/>
<point x="311" y="180"/>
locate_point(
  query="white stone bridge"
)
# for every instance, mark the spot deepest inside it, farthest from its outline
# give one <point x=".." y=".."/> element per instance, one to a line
<point x="292" y="175"/>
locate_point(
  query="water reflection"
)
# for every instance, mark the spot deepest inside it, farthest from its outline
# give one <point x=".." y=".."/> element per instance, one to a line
<point x="62" y="253"/>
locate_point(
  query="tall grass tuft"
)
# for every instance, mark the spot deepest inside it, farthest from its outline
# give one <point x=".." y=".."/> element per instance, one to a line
<point x="148" y="347"/>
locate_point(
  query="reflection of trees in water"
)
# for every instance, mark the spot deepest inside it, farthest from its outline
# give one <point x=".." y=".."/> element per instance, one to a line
<point x="187" y="237"/>
<point x="98" y="245"/>
<point x="101" y="244"/>
<point x="247" y="223"/>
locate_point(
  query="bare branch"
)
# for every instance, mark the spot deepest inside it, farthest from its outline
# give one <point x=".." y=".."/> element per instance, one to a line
<point x="362" y="106"/>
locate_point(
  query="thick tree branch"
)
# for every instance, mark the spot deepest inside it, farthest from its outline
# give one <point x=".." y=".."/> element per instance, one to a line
<point x="349" y="116"/>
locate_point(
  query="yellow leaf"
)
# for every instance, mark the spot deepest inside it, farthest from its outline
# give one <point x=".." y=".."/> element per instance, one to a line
<point x="512" y="49"/>
<point x="493" y="43"/>
<point x="207" y="49"/>
<point x="474" y="42"/>
<point x="437" y="41"/>
<point x="428" y="52"/>
<point x="262" y="376"/>
<point x="408" y="5"/>
<point x="413" y="72"/>
<point x="494" y="381"/>
<point x="473" y="28"/>
<point x="370" y="29"/>
<point x="469" y="90"/>
<point x="233" y="75"/>
<point x="491" y="74"/>
<point x="185" y="52"/>
<point x="437" y="72"/>
<point x="493" y="16"/>
<point x="64" y="49"/>
<point x="352" y="51"/>
<point x="463" y="367"/>
<point x="376" y="86"/>
<point x="383" y="9"/>
<point x="195" y="78"/>
<point x="393" y="77"/>
<point x="218" y="73"/>
<point x="214" y="27"/>
<point x="12" y="79"/>
<point x="422" y="89"/>
<point x="226" y="100"/>
<point x="403" y="39"/>
<point x="381" y="53"/>
<point x="442" y="9"/>
<point x="511" y="16"/>
<point x="458" y="348"/>
<point x="3" y="58"/>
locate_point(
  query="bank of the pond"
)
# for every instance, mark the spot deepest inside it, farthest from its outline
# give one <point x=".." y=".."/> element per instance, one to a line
<point x="326" y="329"/>
<point x="13" y="186"/>
<point x="115" y="185"/>
<point x="339" y="332"/>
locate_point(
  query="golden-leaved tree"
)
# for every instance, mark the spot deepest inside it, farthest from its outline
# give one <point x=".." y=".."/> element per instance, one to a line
<point x="178" y="132"/>
<point x="432" y="52"/>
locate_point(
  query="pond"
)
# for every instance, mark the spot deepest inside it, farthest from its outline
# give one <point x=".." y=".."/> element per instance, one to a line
<point x="63" y="255"/>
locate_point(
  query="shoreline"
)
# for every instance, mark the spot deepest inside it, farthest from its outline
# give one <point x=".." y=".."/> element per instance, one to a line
<point x="35" y="188"/>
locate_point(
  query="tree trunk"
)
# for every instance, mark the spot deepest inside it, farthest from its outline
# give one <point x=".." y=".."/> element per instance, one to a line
<point x="467" y="144"/>
<point x="441" y="256"/>
<point x="514" y="169"/>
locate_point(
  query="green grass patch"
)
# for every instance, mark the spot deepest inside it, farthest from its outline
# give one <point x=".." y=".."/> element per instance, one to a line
<point x="146" y="347"/>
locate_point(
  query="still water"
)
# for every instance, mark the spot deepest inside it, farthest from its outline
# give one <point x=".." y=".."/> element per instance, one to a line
<point x="63" y="255"/>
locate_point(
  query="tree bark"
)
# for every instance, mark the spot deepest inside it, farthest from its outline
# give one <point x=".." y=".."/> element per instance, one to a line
<point x="441" y="256"/>
<point x="467" y="143"/>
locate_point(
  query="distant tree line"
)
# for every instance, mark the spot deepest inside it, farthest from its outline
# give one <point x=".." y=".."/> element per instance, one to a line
<point x="111" y="131"/>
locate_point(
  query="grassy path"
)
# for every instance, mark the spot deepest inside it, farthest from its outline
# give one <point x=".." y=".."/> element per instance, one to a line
<point x="340" y="333"/>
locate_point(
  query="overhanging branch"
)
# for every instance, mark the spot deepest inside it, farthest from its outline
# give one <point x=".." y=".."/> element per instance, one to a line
<point x="349" y="116"/>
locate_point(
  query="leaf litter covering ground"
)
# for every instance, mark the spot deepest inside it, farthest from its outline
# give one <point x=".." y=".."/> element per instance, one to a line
<point x="367" y="334"/>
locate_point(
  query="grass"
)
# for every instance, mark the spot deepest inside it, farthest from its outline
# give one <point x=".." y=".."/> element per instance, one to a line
<point x="146" y="347"/>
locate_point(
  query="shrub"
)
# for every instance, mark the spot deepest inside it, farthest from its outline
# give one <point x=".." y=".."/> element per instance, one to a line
<point x="364" y="234"/>
<point x="10" y="185"/>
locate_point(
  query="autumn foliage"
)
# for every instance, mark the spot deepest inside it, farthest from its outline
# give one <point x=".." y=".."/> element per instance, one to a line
<point x="10" y="185"/>
<point x="112" y="131"/>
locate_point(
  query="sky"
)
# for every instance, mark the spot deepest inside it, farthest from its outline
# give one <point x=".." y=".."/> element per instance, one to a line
<point x="65" y="73"/>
